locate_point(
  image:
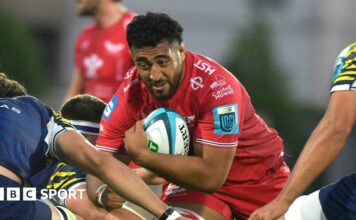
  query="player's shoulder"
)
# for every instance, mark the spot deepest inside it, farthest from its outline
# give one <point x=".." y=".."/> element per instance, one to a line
<point x="130" y="88"/>
<point x="212" y="77"/>
<point x="89" y="28"/>
<point x="131" y="81"/>
<point x="129" y="15"/>
<point x="347" y="53"/>
<point x="344" y="74"/>
<point x="207" y="67"/>
<point x="125" y="20"/>
<point x="29" y="100"/>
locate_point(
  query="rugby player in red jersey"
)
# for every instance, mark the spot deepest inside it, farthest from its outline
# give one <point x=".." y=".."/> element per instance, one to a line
<point x="101" y="54"/>
<point x="236" y="161"/>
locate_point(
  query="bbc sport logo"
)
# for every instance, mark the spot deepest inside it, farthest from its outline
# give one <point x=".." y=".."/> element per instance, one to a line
<point x="31" y="194"/>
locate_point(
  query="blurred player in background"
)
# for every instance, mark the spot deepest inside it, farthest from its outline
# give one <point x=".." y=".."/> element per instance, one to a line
<point x="338" y="200"/>
<point x="236" y="163"/>
<point x="84" y="113"/>
<point x="32" y="133"/>
<point x="101" y="54"/>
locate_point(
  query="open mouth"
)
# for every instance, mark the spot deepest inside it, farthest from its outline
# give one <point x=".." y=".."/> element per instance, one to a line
<point x="158" y="85"/>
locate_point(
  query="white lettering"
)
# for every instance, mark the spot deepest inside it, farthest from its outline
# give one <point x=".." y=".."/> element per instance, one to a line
<point x="29" y="194"/>
<point x="81" y="193"/>
<point x="2" y="194"/>
<point x="204" y="67"/>
<point x="228" y="90"/>
<point x="13" y="194"/>
<point x="44" y="194"/>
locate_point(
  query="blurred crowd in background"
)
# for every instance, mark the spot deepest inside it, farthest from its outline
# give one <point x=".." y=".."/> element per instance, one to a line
<point x="282" y="51"/>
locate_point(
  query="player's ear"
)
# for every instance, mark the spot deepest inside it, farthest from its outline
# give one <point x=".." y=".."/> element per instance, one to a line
<point x="181" y="49"/>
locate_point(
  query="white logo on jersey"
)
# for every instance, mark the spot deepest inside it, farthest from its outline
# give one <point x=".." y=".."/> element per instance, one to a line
<point x="219" y="82"/>
<point x="227" y="90"/>
<point x="4" y="106"/>
<point x="112" y="47"/>
<point x="132" y="83"/>
<point x="129" y="74"/>
<point x="204" y="67"/>
<point x="85" y="44"/>
<point x="190" y="120"/>
<point x="174" y="189"/>
<point x="92" y="64"/>
<point x="196" y="82"/>
<point x="14" y="109"/>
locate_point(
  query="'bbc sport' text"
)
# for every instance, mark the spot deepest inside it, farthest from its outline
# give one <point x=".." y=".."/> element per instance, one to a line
<point x="30" y="194"/>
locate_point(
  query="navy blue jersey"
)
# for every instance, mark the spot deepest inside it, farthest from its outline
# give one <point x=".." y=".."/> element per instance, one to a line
<point x="28" y="129"/>
<point x="338" y="200"/>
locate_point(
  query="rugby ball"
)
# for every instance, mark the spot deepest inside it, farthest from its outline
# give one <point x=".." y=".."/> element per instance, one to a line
<point x="167" y="132"/>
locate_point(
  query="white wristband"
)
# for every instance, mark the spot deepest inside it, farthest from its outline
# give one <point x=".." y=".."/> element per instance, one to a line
<point x="175" y="215"/>
<point x="99" y="194"/>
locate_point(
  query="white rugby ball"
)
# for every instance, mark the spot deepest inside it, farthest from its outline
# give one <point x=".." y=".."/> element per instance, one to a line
<point x="167" y="132"/>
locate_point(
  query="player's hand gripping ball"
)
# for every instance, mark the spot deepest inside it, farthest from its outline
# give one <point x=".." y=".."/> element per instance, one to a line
<point x="167" y="132"/>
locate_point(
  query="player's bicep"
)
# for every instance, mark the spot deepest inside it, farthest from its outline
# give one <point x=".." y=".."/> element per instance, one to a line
<point x="218" y="160"/>
<point x="342" y="107"/>
<point x="113" y="126"/>
<point x="219" y="126"/>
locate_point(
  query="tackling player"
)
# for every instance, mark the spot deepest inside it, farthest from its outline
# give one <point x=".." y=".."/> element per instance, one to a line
<point x="31" y="133"/>
<point x="84" y="113"/>
<point x="101" y="53"/>
<point x="335" y="201"/>
<point x="236" y="161"/>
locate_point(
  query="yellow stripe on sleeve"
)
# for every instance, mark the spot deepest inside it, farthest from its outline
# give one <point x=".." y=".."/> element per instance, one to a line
<point x="348" y="73"/>
<point x="71" y="181"/>
<point x="61" y="174"/>
<point x="344" y="78"/>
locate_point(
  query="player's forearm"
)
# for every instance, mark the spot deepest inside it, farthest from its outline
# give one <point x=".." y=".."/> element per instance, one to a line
<point x="187" y="171"/>
<point x="124" y="182"/>
<point x="92" y="186"/>
<point x="322" y="148"/>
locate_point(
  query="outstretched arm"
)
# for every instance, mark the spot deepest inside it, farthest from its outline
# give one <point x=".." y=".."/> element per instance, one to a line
<point x="75" y="150"/>
<point x="323" y="146"/>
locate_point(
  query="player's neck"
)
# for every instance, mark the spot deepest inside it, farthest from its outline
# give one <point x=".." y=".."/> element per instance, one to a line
<point x="109" y="15"/>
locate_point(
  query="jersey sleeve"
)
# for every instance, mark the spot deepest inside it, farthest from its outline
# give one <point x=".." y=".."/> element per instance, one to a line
<point x="221" y="116"/>
<point x="116" y="119"/>
<point x="345" y="70"/>
<point x="55" y="126"/>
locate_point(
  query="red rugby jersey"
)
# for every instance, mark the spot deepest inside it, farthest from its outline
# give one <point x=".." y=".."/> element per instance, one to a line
<point x="102" y="57"/>
<point x="218" y="112"/>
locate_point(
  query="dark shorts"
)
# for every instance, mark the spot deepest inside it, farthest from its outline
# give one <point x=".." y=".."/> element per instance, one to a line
<point x="21" y="210"/>
<point x="338" y="200"/>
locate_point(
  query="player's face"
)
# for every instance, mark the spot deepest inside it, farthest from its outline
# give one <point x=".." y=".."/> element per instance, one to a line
<point x="87" y="7"/>
<point x="161" y="67"/>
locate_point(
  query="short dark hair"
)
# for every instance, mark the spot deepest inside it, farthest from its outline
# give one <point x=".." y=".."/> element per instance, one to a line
<point x="10" y="88"/>
<point x="152" y="29"/>
<point x="83" y="107"/>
